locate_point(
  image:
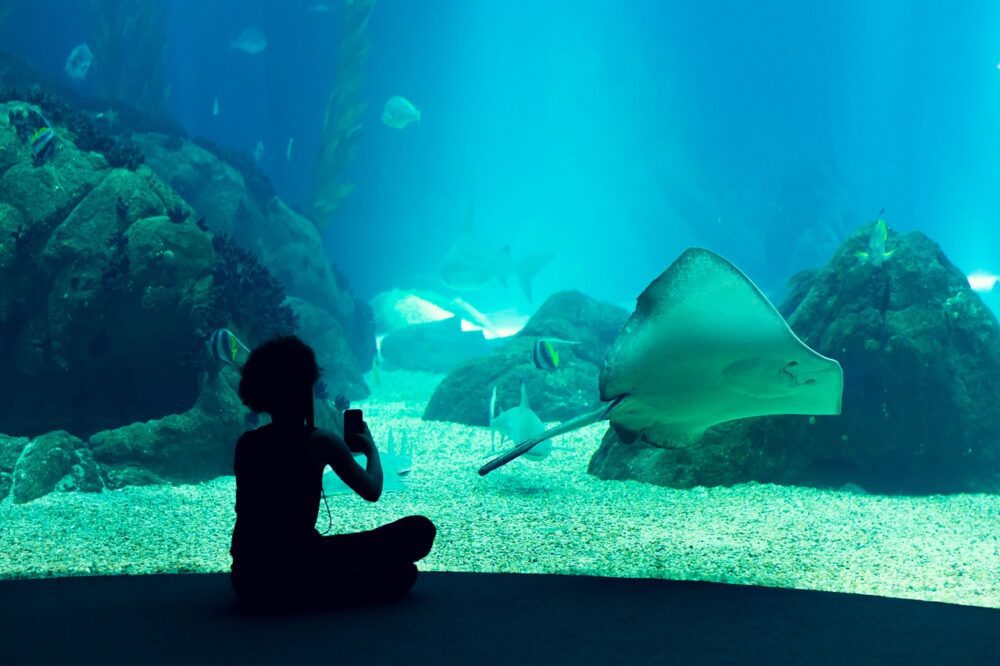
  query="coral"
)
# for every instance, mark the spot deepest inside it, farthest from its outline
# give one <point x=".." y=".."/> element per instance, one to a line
<point x="86" y="134"/>
<point x="178" y="213"/>
<point x="25" y="124"/>
<point x="124" y="154"/>
<point x="245" y="295"/>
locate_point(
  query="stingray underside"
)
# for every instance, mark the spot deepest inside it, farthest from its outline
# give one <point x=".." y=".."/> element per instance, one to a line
<point x="705" y="346"/>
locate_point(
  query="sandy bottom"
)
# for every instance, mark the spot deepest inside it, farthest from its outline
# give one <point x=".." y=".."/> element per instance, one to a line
<point x="551" y="517"/>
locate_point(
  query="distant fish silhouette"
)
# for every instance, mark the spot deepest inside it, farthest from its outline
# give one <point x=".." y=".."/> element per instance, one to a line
<point x="78" y="62"/>
<point x="251" y="41"/>
<point x="399" y="112"/>
<point x="471" y="264"/>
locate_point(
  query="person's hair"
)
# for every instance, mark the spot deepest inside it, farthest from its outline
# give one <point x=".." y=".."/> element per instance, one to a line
<point x="272" y="378"/>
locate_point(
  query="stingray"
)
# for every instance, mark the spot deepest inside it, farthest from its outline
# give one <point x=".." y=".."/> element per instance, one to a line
<point x="704" y="346"/>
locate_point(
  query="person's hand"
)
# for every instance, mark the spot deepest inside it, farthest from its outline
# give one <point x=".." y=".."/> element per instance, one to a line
<point x="361" y="442"/>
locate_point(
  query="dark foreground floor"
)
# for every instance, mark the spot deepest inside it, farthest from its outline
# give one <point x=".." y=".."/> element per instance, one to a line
<point x="454" y="618"/>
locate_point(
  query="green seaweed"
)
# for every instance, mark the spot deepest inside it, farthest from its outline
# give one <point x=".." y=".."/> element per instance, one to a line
<point x="342" y="121"/>
<point x="130" y="43"/>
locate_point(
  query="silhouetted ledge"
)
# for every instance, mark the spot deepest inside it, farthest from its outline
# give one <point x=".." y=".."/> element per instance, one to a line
<point x="458" y="618"/>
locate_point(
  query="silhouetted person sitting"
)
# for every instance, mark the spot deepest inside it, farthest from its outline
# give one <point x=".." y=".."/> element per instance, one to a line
<point x="280" y="561"/>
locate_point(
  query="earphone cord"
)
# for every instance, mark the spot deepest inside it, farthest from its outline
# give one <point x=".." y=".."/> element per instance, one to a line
<point x="329" y="518"/>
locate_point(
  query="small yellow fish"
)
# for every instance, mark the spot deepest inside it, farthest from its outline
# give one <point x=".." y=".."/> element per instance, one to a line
<point x="876" y="253"/>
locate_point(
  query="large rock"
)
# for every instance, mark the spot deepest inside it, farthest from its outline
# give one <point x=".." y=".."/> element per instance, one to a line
<point x="434" y="346"/>
<point x="192" y="446"/>
<point x="54" y="461"/>
<point x="113" y="282"/>
<point x="288" y="244"/>
<point x="321" y="330"/>
<point x="10" y="451"/>
<point x="463" y="396"/>
<point x="921" y="411"/>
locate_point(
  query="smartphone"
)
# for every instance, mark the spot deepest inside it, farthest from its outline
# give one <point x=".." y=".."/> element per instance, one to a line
<point x="354" y="424"/>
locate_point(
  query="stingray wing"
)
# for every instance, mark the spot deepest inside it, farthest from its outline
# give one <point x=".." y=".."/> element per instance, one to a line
<point x="705" y="346"/>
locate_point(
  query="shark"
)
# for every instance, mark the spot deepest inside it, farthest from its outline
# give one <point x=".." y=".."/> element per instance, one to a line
<point x="397" y="462"/>
<point x="470" y="264"/>
<point x="520" y="423"/>
<point x="704" y="346"/>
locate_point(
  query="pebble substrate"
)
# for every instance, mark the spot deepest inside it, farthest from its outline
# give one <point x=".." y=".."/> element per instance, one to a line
<point x="548" y="517"/>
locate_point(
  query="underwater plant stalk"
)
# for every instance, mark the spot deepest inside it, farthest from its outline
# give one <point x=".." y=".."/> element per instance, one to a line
<point x="342" y="121"/>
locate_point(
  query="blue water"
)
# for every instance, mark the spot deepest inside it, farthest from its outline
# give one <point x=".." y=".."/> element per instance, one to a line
<point x="616" y="132"/>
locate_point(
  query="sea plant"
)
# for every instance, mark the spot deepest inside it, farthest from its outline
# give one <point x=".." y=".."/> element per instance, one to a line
<point x="344" y="108"/>
<point x="129" y="43"/>
<point x="178" y="213"/>
<point x="245" y="295"/>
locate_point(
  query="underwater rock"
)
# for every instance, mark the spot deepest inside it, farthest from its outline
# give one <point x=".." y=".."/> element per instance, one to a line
<point x="92" y="290"/>
<point x="54" y="461"/>
<point x="192" y="446"/>
<point x="286" y="243"/>
<point x="10" y="451"/>
<point x="463" y="396"/>
<point x="212" y="186"/>
<point x="320" y="330"/>
<point x="921" y="407"/>
<point x="95" y="273"/>
<point x="437" y="346"/>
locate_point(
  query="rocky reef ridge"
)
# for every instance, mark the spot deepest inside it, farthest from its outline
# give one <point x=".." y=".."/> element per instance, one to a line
<point x="921" y="409"/>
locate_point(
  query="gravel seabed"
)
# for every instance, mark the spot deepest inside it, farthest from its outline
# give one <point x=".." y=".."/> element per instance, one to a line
<point x="548" y="517"/>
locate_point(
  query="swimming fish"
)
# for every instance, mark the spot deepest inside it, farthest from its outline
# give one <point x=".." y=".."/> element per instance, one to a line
<point x="519" y="424"/>
<point x="397" y="463"/>
<point x="377" y="362"/>
<point x="544" y="354"/>
<point x="876" y="253"/>
<point x="224" y="346"/>
<point x="109" y="117"/>
<point x="469" y="264"/>
<point x="42" y="143"/>
<point x="288" y="150"/>
<point x="215" y="106"/>
<point x="251" y="41"/>
<point x="703" y="346"/>
<point x="78" y="62"/>
<point x="399" y="112"/>
<point x="318" y="8"/>
<point x="399" y="458"/>
<point x="258" y="151"/>
<point x="982" y="281"/>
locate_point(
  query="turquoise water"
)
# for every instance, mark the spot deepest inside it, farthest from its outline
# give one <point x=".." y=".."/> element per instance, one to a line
<point x="451" y="200"/>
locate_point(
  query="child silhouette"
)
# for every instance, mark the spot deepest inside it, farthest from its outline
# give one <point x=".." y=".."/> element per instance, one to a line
<point x="279" y="559"/>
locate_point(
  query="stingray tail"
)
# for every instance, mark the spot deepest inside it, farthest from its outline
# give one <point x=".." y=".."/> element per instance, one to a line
<point x="599" y="414"/>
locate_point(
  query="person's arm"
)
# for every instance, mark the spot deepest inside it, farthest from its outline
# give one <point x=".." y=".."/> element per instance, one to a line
<point x="365" y="481"/>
